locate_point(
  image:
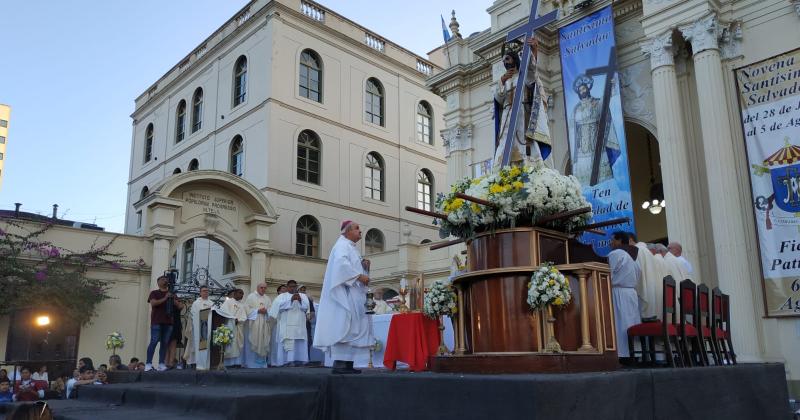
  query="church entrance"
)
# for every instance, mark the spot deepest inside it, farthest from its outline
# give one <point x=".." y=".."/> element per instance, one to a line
<point x="650" y="211"/>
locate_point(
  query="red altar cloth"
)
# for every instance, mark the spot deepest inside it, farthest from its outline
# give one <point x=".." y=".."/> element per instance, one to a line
<point x="412" y="339"/>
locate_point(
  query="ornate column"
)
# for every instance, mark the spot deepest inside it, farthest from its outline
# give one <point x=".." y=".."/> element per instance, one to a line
<point x="160" y="260"/>
<point x="681" y="226"/>
<point x="728" y="223"/>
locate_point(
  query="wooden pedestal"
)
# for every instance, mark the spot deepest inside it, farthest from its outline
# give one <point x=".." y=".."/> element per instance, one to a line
<point x="498" y="333"/>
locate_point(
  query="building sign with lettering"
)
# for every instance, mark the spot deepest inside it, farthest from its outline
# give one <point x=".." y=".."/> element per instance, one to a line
<point x="210" y="202"/>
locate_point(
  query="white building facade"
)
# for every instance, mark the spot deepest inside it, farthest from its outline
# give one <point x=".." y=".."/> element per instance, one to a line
<point x="327" y="119"/>
<point x="676" y="63"/>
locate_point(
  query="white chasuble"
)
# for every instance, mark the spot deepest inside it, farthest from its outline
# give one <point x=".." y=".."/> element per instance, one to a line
<point x="341" y="318"/>
<point x="259" y="326"/>
<point x="236" y="313"/>
<point x="649" y="288"/>
<point x="193" y="354"/>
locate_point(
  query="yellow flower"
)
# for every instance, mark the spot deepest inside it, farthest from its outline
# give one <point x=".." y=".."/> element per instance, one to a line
<point x="457" y="203"/>
<point x="475" y="208"/>
<point x="552" y="282"/>
<point x="517" y="185"/>
<point x="494" y="189"/>
<point x="475" y="181"/>
<point x="559" y="302"/>
<point x="514" y="172"/>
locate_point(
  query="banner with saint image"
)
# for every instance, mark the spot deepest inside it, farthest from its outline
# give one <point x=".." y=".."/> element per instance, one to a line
<point x="769" y="98"/>
<point x="595" y="127"/>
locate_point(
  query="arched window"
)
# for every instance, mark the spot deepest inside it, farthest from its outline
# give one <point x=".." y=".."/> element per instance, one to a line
<point x="424" y="119"/>
<point x="148" y="143"/>
<point x="373" y="176"/>
<point x="311" y="76"/>
<point x="309" y="152"/>
<point x="307" y="237"/>
<point x="176" y="171"/>
<point x="237" y="156"/>
<point x="425" y="241"/>
<point x="188" y="260"/>
<point x="373" y="105"/>
<point x="197" y="110"/>
<point x="424" y="189"/>
<point x="145" y="192"/>
<point x="240" y="81"/>
<point x="180" y="121"/>
<point x="194" y="165"/>
<point x="374" y="241"/>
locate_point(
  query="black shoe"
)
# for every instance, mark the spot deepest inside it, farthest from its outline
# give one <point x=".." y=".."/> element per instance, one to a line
<point x="344" y="368"/>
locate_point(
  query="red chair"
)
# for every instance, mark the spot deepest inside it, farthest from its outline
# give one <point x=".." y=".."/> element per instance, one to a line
<point x="705" y="324"/>
<point x="664" y="329"/>
<point x="718" y="334"/>
<point x="726" y="322"/>
<point x="688" y="324"/>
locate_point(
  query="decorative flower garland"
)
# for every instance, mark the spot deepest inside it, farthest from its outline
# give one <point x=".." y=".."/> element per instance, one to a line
<point x="115" y="341"/>
<point x="222" y="336"/>
<point x="548" y="287"/>
<point x="520" y="196"/>
<point x="440" y="300"/>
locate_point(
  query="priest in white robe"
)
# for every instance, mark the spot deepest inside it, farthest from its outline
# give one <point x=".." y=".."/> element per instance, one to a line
<point x="676" y="249"/>
<point x="650" y="281"/>
<point x="658" y="251"/>
<point x="236" y="313"/>
<point x="259" y="328"/>
<point x="289" y="309"/>
<point x="381" y="307"/>
<point x="195" y="327"/>
<point x="343" y="328"/>
<point x="625" y="276"/>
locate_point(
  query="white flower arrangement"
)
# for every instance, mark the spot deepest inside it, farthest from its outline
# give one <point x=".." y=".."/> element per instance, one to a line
<point x="115" y="341"/>
<point x="222" y="336"/>
<point x="548" y="287"/>
<point x="440" y="300"/>
<point x="520" y="196"/>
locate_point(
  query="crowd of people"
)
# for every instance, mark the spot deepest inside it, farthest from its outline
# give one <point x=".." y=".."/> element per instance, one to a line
<point x="266" y="330"/>
<point x="637" y="272"/>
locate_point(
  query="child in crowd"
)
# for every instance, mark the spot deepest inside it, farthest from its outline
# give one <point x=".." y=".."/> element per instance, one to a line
<point x="5" y="391"/>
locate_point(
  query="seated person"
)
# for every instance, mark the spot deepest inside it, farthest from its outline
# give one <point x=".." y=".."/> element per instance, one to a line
<point x="133" y="364"/>
<point x="115" y="363"/>
<point x="27" y="389"/>
<point x="86" y="378"/>
<point x="100" y="378"/>
<point x="3" y="374"/>
<point x="29" y="411"/>
<point x="41" y="374"/>
<point x="6" y="396"/>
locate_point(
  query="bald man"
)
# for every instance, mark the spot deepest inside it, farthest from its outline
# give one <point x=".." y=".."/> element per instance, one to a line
<point x="677" y="250"/>
<point x="259" y="327"/>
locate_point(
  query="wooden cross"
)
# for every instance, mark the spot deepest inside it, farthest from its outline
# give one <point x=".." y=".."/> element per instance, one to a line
<point x="526" y="31"/>
<point x="608" y="71"/>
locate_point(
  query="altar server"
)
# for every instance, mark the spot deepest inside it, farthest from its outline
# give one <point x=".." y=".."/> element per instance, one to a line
<point x="289" y="309"/>
<point x="625" y="276"/>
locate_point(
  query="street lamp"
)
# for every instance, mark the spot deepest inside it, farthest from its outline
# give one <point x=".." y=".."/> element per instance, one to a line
<point x="43" y="320"/>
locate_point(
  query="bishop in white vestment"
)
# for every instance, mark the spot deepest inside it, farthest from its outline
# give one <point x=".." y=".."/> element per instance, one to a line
<point x="625" y="276"/>
<point x="234" y="310"/>
<point x="289" y="309"/>
<point x="259" y="327"/>
<point x="343" y="328"/>
<point x="650" y="283"/>
<point x="199" y="326"/>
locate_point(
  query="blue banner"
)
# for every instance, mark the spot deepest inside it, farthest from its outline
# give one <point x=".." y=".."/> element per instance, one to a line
<point x="595" y="128"/>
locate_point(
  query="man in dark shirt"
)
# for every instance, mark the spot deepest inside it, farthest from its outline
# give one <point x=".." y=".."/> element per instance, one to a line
<point x="160" y="324"/>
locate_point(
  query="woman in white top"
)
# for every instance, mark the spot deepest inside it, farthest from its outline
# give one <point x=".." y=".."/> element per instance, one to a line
<point x="41" y="375"/>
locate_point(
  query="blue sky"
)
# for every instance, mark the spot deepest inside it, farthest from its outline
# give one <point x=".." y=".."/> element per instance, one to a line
<point x="71" y="70"/>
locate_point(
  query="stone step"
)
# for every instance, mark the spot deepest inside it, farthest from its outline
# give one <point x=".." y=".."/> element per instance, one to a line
<point x="221" y="395"/>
